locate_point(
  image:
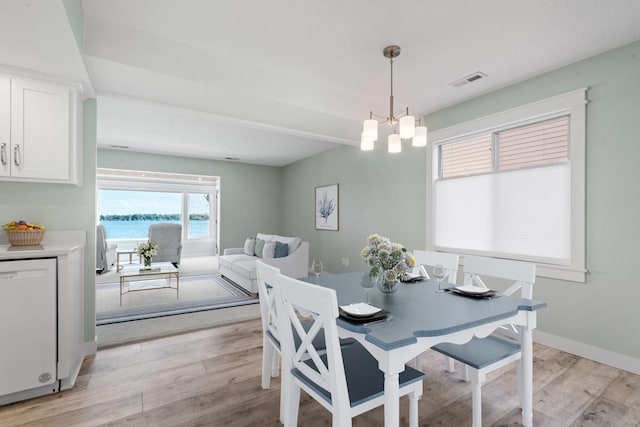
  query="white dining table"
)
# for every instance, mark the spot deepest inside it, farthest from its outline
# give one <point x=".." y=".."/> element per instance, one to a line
<point x="420" y="318"/>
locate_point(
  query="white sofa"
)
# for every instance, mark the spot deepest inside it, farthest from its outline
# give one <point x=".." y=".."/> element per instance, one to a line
<point x="240" y="268"/>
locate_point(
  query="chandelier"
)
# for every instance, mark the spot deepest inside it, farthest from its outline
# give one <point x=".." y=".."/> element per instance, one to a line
<point x="403" y="122"/>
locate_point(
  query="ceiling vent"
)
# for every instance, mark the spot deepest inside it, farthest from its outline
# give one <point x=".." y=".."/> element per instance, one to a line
<point x="468" y="79"/>
<point x="120" y="147"/>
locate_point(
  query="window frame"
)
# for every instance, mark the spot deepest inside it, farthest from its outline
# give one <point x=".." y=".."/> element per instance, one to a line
<point x="572" y="104"/>
<point x="116" y="179"/>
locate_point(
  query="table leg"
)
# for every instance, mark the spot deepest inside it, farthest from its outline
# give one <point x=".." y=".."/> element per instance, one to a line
<point x="121" y="286"/>
<point x="177" y="285"/>
<point x="391" y="400"/>
<point x="527" y="377"/>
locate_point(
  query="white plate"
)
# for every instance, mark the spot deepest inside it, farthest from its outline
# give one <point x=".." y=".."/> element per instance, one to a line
<point x="360" y="309"/>
<point x="470" y="289"/>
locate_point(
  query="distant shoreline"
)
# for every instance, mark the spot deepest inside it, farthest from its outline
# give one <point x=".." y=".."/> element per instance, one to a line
<point x="138" y="229"/>
<point x="152" y="217"/>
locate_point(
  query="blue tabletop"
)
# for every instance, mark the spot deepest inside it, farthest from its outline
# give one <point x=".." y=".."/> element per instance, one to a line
<point x="418" y="310"/>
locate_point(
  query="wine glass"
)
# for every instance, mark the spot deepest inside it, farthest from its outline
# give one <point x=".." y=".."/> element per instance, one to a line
<point x="317" y="268"/>
<point x="439" y="273"/>
<point x="367" y="282"/>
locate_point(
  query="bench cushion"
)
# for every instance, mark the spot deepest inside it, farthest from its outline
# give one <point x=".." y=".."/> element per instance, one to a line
<point x="229" y="260"/>
<point x="246" y="269"/>
<point x="480" y="352"/>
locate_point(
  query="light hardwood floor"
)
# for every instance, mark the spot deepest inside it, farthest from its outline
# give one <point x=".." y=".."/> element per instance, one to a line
<point x="212" y="378"/>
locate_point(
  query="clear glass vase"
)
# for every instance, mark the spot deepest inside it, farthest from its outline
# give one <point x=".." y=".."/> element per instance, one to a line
<point x="388" y="286"/>
<point x="147" y="263"/>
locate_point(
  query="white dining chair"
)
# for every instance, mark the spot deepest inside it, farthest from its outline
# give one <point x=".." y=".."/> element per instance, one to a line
<point x="450" y="264"/>
<point x="265" y="277"/>
<point x="483" y="355"/>
<point x="271" y="347"/>
<point x="344" y="380"/>
<point x="430" y="259"/>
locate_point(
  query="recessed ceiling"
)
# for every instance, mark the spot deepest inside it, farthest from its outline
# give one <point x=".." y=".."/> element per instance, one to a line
<point x="271" y="82"/>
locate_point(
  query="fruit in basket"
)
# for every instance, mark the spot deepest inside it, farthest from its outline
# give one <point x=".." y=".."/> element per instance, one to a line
<point x="22" y="225"/>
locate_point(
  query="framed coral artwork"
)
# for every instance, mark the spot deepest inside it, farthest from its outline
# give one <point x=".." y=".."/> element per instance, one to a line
<point x="326" y="209"/>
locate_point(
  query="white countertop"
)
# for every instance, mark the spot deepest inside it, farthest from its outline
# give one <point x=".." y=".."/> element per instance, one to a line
<point x="54" y="243"/>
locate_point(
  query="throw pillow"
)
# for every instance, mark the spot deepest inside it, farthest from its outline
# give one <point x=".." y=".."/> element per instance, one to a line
<point x="265" y="237"/>
<point x="269" y="250"/>
<point x="249" y="246"/>
<point x="259" y="247"/>
<point x="281" y="250"/>
<point x="293" y="242"/>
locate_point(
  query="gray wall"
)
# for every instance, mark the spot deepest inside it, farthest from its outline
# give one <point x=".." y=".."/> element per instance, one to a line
<point x="378" y="193"/>
<point x="250" y="195"/>
<point x="385" y="193"/>
<point x="603" y="312"/>
<point x="63" y="207"/>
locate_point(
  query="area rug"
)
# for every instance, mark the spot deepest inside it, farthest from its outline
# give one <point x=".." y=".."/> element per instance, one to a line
<point x="197" y="293"/>
<point x="124" y="333"/>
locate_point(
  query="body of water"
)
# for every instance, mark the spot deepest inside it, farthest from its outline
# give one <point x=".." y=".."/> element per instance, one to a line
<point x="140" y="229"/>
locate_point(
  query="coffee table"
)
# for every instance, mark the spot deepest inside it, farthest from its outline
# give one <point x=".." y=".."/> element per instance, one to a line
<point x="130" y="253"/>
<point x="136" y="272"/>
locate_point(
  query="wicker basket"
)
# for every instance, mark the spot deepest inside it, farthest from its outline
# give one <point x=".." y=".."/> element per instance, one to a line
<point x="25" y="237"/>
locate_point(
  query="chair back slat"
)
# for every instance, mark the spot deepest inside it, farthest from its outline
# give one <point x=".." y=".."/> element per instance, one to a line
<point x="447" y="260"/>
<point x="523" y="274"/>
<point x="292" y="297"/>
<point x="266" y="277"/>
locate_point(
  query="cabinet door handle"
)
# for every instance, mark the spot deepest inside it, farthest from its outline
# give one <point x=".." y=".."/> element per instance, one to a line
<point x="16" y="154"/>
<point x="3" y="153"/>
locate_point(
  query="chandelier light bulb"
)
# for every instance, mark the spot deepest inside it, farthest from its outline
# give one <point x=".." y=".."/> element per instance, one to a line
<point x="366" y="144"/>
<point x="407" y="127"/>
<point x="420" y="138"/>
<point x="370" y="129"/>
<point x="395" y="143"/>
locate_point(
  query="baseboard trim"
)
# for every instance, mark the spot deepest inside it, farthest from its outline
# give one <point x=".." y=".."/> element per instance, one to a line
<point x="90" y="347"/>
<point x="596" y="354"/>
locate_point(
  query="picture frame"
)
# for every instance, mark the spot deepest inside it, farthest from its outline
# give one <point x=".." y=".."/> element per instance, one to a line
<point x="327" y="205"/>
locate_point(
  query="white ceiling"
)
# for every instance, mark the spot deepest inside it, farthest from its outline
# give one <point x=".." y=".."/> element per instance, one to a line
<point x="271" y="82"/>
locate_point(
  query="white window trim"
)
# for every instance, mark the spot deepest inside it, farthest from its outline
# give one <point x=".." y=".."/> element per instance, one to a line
<point x="571" y="103"/>
<point x="115" y="179"/>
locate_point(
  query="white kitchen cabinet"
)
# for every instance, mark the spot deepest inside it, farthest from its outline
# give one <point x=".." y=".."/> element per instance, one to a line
<point x="38" y="135"/>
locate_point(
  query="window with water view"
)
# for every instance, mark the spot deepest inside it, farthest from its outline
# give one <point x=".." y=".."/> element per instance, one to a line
<point x="128" y="214"/>
<point x="130" y="201"/>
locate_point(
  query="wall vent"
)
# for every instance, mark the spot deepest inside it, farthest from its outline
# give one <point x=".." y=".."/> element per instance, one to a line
<point x="468" y="79"/>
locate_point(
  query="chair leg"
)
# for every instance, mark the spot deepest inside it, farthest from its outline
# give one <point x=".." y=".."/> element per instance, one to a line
<point x="419" y="361"/>
<point x="413" y="406"/>
<point x="267" y="362"/>
<point x="477" y="403"/>
<point x="520" y="383"/>
<point x="341" y="420"/>
<point x="283" y="400"/>
<point x="293" y="403"/>
<point x="275" y="367"/>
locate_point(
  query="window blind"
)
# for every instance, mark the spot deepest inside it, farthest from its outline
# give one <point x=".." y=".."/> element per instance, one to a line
<point x="539" y="143"/>
<point x="467" y="157"/>
<point x="524" y="212"/>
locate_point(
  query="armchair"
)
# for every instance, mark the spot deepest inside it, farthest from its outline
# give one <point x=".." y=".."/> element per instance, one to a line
<point x="169" y="238"/>
<point x="105" y="252"/>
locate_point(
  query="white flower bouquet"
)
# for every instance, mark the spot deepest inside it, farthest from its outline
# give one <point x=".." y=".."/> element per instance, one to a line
<point x="146" y="250"/>
<point x="387" y="259"/>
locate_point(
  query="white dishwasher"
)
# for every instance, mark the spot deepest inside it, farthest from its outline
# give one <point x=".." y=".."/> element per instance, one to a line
<point x="28" y="326"/>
